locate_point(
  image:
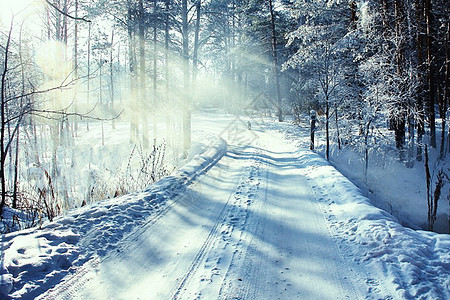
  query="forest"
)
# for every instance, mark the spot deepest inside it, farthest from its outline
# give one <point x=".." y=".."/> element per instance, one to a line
<point x="375" y="71"/>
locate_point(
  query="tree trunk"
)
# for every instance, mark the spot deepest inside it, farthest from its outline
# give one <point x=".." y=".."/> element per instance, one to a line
<point x="429" y="196"/>
<point x="196" y="42"/>
<point x="327" y="129"/>
<point x="187" y="100"/>
<point x="420" y="78"/>
<point x="338" y="135"/>
<point x="275" y="62"/>
<point x="111" y="79"/>
<point x="430" y="71"/>
<point x="142" y="79"/>
<point x="88" y="71"/>
<point x="75" y="59"/>
<point x="3" y="152"/>
<point x="366" y="150"/>
<point x="58" y="33"/>
<point x="410" y="159"/>
<point x="155" y="72"/>
<point x="16" y="172"/>
<point x="166" y="47"/>
<point x="444" y="104"/>
<point x="64" y="31"/>
<point x="170" y="134"/>
<point x="385" y="15"/>
<point x="134" y="122"/>
<point x="232" y="59"/>
<point x="400" y="114"/>
<point x="227" y="101"/>
<point x="353" y="12"/>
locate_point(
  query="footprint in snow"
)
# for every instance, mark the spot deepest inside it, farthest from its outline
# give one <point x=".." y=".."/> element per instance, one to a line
<point x="372" y="285"/>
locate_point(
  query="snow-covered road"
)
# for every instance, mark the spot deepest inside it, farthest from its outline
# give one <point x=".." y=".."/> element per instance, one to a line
<point x="255" y="217"/>
<point x="250" y="228"/>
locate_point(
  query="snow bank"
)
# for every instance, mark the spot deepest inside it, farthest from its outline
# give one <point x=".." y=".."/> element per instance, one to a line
<point x="415" y="264"/>
<point x="34" y="260"/>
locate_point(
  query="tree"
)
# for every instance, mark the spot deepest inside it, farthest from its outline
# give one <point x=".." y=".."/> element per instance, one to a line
<point x="142" y="24"/>
<point x="23" y="97"/>
<point x="430" y="71"/>
<point x="186" y="76"/>
<point x="276" y="65"/>
<point x="3" y="113"/>
<point x="131" y="23"/>
<point x="319" y="38"/>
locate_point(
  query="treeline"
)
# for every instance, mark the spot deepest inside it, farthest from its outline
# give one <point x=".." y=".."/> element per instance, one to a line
<point x="72" y="63"/>
<point x="374" y="63"/>
<point x="379" y="72"/>
<point x="69" y="63"/>
<point x="367" y="65"/>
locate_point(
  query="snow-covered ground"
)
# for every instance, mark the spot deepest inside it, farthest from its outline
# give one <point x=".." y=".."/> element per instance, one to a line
<point x="389" y="185"/>
<point x="93" y="162"/>
<point x="399" y="190"/>
<point x="251" y="216"/>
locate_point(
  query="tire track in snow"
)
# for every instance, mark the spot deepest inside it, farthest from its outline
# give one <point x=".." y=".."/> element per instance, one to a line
<point x="228" y="289"/>
<point x="287" y="269"/>
<point x="106" y="233"/>
<point x="73" y="283"/>
<point x="237" y="234"/>
<point x="197" y="260"/>
<point x="220" y="235"/>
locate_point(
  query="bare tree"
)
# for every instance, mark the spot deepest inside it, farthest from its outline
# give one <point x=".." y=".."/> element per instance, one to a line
<point x="276" y="66"/>
<point x="4" y="147"/>
<point x="186" y="76"/>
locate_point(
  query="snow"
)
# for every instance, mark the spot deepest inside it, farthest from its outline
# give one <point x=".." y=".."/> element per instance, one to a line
<point x="417" y="262"/>
<point x="409" y="206"/>
<point x="249" y="215"/>
<point x="389" y="184"/>
<point x="36" y="258"/>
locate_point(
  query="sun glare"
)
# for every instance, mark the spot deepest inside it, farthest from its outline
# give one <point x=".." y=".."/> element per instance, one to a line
<point x="17" y="8"/>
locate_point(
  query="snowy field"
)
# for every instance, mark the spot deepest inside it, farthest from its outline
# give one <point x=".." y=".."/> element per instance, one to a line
<point x="254" y="215"/>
